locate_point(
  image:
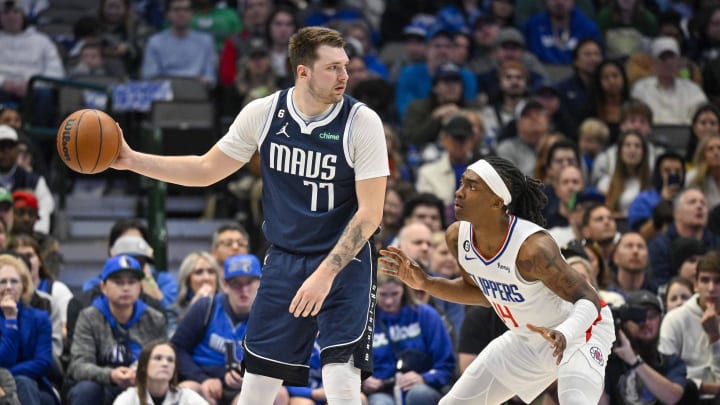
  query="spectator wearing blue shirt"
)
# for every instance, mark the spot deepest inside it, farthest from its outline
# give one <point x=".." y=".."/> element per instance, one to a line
<point x="553" y="34"/>
<point x="415" y="81"/>
<point x="414" y="333"/>
<point x="179" y="51"/>
<point x="25" y="334"/>
<point x="209" y="338"/>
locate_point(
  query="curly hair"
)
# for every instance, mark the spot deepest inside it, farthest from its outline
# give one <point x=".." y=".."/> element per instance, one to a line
<point x="528" y="198"/>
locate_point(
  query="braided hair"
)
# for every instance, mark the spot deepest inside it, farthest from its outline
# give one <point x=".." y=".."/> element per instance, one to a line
<point x="528" y="198"/>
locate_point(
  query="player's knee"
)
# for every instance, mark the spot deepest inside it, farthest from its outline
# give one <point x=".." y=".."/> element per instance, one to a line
<point x="341" y="383"/>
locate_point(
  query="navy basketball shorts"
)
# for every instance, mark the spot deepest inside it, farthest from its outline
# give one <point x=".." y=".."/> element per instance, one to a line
<point x="279" y="345"/>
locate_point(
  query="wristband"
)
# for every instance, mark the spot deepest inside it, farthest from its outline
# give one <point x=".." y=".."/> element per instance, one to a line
<point x="583" y="315"/>
<point x="638" y="361"/>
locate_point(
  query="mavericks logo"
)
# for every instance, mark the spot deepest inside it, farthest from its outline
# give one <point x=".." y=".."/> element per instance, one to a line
<point x="329" y="136"/>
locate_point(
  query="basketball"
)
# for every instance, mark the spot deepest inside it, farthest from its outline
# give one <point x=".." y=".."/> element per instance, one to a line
<point x="88" y="141"/>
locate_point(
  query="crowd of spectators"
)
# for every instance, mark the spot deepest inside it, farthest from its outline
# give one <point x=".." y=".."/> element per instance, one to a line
<point x="610" y="103"/>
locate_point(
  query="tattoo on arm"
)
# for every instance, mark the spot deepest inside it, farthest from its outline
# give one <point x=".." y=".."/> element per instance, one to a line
<point x="348" y="245"/>
<point x="544" y="263"/>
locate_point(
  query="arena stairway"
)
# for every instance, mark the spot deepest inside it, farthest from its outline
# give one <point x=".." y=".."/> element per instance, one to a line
<point x="83" y="229"/>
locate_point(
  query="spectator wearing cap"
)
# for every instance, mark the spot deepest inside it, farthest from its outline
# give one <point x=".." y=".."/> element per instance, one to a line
<point x="254" y="17"/>
<point x="220" y="22"/>
<point x="255" y="75"/>
<point x="179" y="50"/>
<point x="554" y="33"/>
<point x="574" y="90"/>
<point x="25" y="216"/>
<point x="560" y="120"/>
<point x="510" y="47"/>
<point x="673" y="100"/>
<point x="110" y="334"/>
<point x="39" y="57"/>
<point x="667" y="179"/>
<point x="512" y="90"/>
<point x="412" y="50"/>
<point x="690" y="215"/>
<point x="685" y="254"/>
<point x="14" y="177"/>
<point x="442" y="177"/>
<point x="415" y="81"/>
<point x="208" y="340"/>
<point x="425" y="116"/>
<point x="691" y="330"/>
<point x="532" y="125"/>
<point x="637" y="369"/>
<point x="6" y="208"/>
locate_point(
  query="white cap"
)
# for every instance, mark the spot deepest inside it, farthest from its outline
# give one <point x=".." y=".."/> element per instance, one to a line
<point x="8" y="133"/>
<point x="664" y="44"/>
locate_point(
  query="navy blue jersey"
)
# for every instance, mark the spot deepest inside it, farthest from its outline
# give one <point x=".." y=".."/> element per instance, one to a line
<point x="308" y="181"/>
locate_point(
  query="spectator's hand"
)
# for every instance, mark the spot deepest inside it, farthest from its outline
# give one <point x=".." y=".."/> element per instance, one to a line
<point x="123" y="376"/>
<point x="310" y="296"/>
<point x="709" y="322"/>
<point x="371" y="384"/>
<point x="556" y="339"/>
<point x="211" y="388"/>
<point x="409" y="379"/>
<point x="8" y="306"/>
<point x="205" y="290"/>
<point x="624" y="350"/>
<point x="394" y="262"/>
<point x="233" y="379"/>
<point x="445" y="111"/>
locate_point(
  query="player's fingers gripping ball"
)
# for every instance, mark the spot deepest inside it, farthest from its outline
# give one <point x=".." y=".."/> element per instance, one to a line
<point x="88" y="141"/>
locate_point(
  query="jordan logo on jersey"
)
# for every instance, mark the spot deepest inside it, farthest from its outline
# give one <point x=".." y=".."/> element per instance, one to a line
<point x="283" y="131"/>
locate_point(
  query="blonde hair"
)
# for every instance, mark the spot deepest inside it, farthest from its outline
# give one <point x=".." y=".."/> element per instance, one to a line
<point x="700" y="162"/>
<point x="594" y="129"/>
<point x="186" y="268"/>
<point x="408" y="297"/>
<point x="588" y="268"/>
<point x="22" y="270"/>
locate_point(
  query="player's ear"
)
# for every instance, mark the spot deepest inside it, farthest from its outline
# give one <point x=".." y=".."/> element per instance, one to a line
<point x="302" y="71"/>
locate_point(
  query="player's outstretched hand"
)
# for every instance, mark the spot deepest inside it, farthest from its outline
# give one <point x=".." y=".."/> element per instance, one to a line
<point x="123" y="157"/>
<point x="556" y="339"/>
<point x="311" y="295"/>
<point x="394" y="262"/>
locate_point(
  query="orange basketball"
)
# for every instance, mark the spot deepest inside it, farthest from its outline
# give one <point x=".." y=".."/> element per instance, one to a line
<point x="88" y="141"/>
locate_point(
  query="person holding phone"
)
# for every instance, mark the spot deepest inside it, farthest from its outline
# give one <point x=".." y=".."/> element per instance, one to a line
<point x="668" y="178"/>
<point x="208" y="340"/>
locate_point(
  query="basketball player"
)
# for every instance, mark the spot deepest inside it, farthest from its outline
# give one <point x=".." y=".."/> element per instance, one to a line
<point x="520" y="272"/>
<point x="324" y="168"/>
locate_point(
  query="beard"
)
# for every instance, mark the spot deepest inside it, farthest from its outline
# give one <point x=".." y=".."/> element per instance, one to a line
<point x="323" y="96"/>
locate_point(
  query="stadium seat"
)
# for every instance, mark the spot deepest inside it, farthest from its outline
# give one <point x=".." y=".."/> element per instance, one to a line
<point x="671" y="137"/>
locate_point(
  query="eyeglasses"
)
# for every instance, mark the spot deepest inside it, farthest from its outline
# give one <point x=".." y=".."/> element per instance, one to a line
<point x="229" y="242"/>
<point x="10" y="281"/>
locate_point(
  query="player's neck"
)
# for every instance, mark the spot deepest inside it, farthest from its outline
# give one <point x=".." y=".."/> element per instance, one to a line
<point x="490" y="235"/>
<point x="307" y="104"/>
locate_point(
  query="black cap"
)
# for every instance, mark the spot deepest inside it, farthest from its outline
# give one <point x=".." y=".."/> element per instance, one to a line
<point x="545" y="88"/>
<point x="482" y="19"/>
<point x="459" y="127"/>
<point x="448" y="71"/>
<point x="683" y="249"/>
<point x="575" y="247"/>
<point x="257" y="47"/>
<point x="530" y="106"/>
<point x="644" y="298"/>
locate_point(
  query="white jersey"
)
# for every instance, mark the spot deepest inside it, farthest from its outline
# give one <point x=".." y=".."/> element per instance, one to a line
<point x="516" y="301"/>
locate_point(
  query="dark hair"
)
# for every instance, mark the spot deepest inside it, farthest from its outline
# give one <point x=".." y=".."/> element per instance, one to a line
<point x="634" y="107"/>
<point x="27" y="240"/>
<point x="692" y="141"/>
<point x="87" y="26"/>
<point x="424" y="199"/>
<point x="709" y="263"/>
<point x="282" y="8"/>
<point x="562" y="143"/>
<point x="589" y="210"/>
<point x="142" y="366"/>
<point x="302" y="49"/>
<point x="528" y="198"/>
<point x="229" y="227"/>
<point x="582" y="43"/>
<point x="657" y="180"/>
<point x="123" y="224"/>
<point x="596" y="101"/>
